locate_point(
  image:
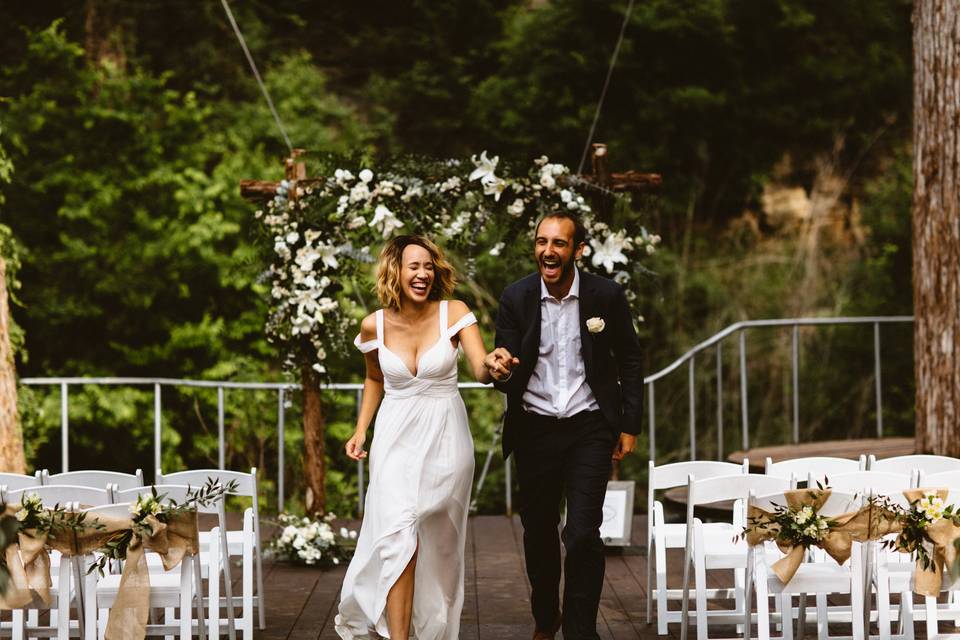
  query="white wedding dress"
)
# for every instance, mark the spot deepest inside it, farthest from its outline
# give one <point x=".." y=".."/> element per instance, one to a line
<point x="421" y="471"/>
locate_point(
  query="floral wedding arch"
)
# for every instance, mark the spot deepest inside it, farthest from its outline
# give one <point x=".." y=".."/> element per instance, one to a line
<point x="326" y="232"/>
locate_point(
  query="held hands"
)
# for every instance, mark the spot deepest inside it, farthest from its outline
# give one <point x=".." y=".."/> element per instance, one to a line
<point x="624" y="446"/>
<point x="500" y="363"/>
<point x="354" y="446"/>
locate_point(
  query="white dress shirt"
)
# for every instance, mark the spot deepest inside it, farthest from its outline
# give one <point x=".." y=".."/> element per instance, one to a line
<point x="558" y="386"/>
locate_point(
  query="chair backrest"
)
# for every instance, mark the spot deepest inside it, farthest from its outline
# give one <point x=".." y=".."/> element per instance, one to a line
<point x="879" y="482"/>
<point x="63" y="494"/>
<point x="911" y="463"/>
<point x="247" y="485"/>
<point x="93" y="478"/>
<point x="838" y="503"/>
<point x="176" y="492"/>
<point x="675" y="474"/>
<point x="732" y="487"/>
<point x="944" y="479"/>
<point x="820" y="467"/>
<point x="19" y="480"/>
<point x="121" y="510"/>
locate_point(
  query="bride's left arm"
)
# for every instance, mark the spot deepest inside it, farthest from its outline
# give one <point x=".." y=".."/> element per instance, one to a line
<point x="472" y="343"/>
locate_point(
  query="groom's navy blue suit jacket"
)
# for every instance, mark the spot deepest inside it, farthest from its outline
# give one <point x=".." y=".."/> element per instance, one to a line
<point x="612" y="357"/>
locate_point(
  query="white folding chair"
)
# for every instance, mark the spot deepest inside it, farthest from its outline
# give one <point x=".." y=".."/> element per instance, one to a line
<point x="719" y="550"/>
<point x="662" y="535"/>
<point x="247" y="487"/>
<point x="914" y="463"/>
<point x="865" y="484"/>
<point x="814" y="576"/>
<point x="932" y="611"/>
<point x="175" y="590"/>
<point x="820" y="468"/>
<point x="892" y="572"/>
<point x="180" y="493"/>
<point x="93" y="478"/>
<point x="72" y="498"/>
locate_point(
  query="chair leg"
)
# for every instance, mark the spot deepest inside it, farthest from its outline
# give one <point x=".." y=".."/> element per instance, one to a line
<point x="822" y="631"/>
<point x="198" y="594"/>
<point x="786" y="609"/>
<point x="186" y="600"/>
<point x="932" y="620"/>
<point x="261" y="612"/>
<point x="883" y="605"/>
<point x="17" y="626"/>
<point x="213" y="590"/>
<point x="748" y="596"/>
<point x="246" y="624"/>
<point x="906" y="615"/>
<point x="662" y="616"/>
<point x="763" y="608"/>
<point x="700" y="584"/>
<point x="650" y="556"/>
<point x="738" y="579"/>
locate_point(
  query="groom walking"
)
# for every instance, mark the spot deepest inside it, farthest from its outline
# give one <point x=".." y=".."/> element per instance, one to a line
<point x="569" y="361"/>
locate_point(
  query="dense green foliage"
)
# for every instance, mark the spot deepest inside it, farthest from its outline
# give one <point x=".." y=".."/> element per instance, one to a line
<point x="140" y="258"/>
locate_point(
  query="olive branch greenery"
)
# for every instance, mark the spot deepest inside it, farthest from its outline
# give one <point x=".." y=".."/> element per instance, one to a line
<point x="799" y="525"/>
<point x="164" y="510"/>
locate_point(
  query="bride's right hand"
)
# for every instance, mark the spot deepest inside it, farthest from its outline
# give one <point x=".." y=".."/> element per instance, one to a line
<point x="354" y="446"/>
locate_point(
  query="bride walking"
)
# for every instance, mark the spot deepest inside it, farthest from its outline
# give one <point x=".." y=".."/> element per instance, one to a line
<point x="409" y="562"/>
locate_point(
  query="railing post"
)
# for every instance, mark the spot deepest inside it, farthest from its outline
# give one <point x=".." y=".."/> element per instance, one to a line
<point x="693" y="411"/>
<point x="64" y="428"/>
<point x="744" y="422"/>
<point x="360" y="484"/>
<point x="651" y="412"/>
<point x="221" y="447"/>
<point x="720" y="401"/>
<point x="796" y="383"/>
<point x="876" y="376"/>
<point x="157" y="461"/>
<point x="281" y="447"/>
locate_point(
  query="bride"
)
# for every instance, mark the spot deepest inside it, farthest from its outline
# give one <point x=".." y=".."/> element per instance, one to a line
<point x="409" y="562"/>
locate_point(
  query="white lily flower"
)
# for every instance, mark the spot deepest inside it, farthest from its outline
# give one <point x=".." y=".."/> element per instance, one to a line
<point x="610" y="251"/>
<point x="516" y="208"/>
<point x="485" y="168"/>
<point x="495" y="188"/>
<point x="386" y="220"/>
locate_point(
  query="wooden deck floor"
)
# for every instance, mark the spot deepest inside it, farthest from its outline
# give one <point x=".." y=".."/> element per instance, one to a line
<point x="301" y="602"/>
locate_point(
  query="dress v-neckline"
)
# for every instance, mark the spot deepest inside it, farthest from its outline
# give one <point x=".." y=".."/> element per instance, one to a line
<point x="419" y="359"/>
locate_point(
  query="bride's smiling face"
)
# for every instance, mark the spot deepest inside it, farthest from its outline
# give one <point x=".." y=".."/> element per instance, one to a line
<point x="416" y="273"/>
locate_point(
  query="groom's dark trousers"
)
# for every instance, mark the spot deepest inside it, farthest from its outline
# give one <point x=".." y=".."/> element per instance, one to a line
<point x="569" y="457"/>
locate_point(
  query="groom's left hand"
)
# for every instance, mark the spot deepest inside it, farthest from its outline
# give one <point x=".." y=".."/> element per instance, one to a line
<point x="624" y="446"/>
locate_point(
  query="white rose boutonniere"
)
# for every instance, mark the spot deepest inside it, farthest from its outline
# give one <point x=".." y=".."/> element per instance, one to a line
<point x="595" y="325"/>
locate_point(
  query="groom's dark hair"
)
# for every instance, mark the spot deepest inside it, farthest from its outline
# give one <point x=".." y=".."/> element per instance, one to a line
<point x="579" y="231"/>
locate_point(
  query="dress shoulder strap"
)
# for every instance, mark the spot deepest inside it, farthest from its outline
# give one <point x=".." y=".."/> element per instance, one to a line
<point x="379" y="316"/>
<point x="443" y="317"/>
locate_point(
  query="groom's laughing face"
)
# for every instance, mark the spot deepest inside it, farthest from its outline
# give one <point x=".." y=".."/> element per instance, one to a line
<point x="555" y="251"/>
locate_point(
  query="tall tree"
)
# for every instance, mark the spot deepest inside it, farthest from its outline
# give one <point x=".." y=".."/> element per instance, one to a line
<point x="11" y="437"/>
<point x="936" y="225"/>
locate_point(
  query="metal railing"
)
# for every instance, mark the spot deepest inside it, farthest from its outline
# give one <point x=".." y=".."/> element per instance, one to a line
<point x="740" y="328"/>
<point x="689" y="358"/>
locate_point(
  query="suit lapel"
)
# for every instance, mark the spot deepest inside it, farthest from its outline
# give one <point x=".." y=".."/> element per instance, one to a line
<point x="531" y="338"/>
<point x="586" y="307"/>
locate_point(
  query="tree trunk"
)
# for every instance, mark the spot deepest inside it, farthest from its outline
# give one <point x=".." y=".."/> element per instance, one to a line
<point x="105" y="38"/>
<point x="11" y="437"/>
<point x="936" y="237"/>
<point x="314" y="464"/>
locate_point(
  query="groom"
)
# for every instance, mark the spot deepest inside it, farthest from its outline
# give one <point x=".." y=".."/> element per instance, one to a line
<point x="569" y="361"/>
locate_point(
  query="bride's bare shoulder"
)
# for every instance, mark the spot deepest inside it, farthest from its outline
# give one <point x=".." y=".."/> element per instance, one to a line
<point x="456" y="310"/>
<point x="368" y="328"/>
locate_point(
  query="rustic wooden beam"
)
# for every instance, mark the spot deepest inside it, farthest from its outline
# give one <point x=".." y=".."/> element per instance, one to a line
<point x="265" y="189"/>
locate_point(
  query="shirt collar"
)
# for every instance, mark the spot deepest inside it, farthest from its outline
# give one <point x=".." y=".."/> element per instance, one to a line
<point x="574" y="288"/>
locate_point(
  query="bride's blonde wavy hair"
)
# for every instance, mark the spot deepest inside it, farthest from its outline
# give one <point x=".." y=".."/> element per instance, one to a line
<point x="390" y="264"/>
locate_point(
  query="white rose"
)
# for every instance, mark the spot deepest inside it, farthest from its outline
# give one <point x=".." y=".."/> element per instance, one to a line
<point x="595" y="325"/>
<point x="366" y="175"/>
<point x="547" y="181"/>
<point x="516" y="208"/>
